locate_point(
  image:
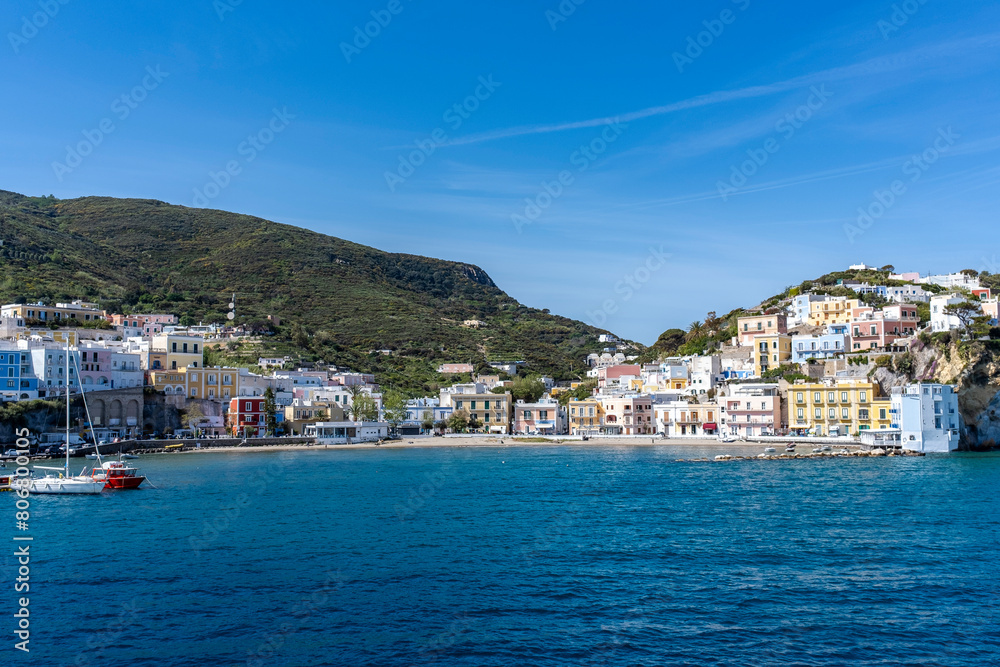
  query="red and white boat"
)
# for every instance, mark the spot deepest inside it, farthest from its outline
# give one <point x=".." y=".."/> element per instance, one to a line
<point x="118" y="475"/>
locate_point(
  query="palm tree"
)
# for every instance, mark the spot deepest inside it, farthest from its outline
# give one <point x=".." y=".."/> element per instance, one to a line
<point x="694" y="330"/>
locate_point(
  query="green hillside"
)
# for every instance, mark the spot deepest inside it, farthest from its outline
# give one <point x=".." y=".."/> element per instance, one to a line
<point x="338" y="301"/>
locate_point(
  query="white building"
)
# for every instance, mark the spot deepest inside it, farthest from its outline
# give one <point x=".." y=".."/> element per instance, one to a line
<point x="951" y="280"/>
<point x="49" y="366"/>
<point x="126" y="370"/>
<point x="705" y="374"/>
<point x="926" y="416"/>
<point x="346" y="432"/>
<point x="677" y="419"/>
<point x="940" y="320"/>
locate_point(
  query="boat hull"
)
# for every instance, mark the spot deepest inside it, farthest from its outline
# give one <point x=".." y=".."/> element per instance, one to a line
<point x="65" y="487"/>
<point x="122" y="483"/>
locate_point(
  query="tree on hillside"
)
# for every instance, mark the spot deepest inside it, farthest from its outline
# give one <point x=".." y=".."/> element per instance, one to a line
<point x="394" y="409"/>
<point x="270" y="412"/>
<point x="694" y="331"/>
<point x="193" y="417"/>
<point x="528" y="390"/>
<point x="970" y="315"/>
<point x="888" y="268"/>
<point x="458" y="421"/>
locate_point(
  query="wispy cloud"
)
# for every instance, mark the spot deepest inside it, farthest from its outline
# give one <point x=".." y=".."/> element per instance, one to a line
<point x="970" y="148"/>
<point x="874" y="66"/>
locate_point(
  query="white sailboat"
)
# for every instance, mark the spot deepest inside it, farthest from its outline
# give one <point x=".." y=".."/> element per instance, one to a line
<point x="64" y="483"/>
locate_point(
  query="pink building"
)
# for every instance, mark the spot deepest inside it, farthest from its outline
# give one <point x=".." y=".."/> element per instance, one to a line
<point x="752" y="409"/>
<point x="452" y="369"/>
<point x="150" y="324"/>
<point x="95" y="368"/>
<point x="631" y="415"/>
<point x="545" y="417"/>
<point x="872" y="329"/>
<point x="617" y="375"/>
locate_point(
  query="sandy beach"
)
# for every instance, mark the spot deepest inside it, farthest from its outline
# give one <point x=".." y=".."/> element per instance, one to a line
<point x="497" y="441"/>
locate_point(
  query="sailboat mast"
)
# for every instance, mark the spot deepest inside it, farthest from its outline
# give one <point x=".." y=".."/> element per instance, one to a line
<point x="67" y="405"/>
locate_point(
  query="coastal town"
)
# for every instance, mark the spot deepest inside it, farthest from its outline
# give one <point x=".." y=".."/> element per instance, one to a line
<point x="803" y="368"/>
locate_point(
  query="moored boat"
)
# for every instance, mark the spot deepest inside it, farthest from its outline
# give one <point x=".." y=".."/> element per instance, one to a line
<point x="118" y="475"/>
<point x="64" y="484"/>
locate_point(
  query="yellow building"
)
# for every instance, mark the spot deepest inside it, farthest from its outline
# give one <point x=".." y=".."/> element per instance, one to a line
<point x="301" y="413"/>
<point x="60" y="336"/>
<point x="770" y="352"/>
<point x="211" y="382"/>
<point x="493" y="410"/>
<point x="844" y="407"/>
<point x="835" y="310"/>
<point x="586" y="417"/>
<point x="171" y="352"/>
<point x="78" y="311"/>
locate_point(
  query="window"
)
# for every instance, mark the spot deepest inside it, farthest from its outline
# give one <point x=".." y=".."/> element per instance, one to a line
<point x="799" y="397"/>
<point x="832" y="413"/>
<point x="486" y="405"/>
<point x="543" y="414"/>
<point x="527" y="415"/>
<point x="801" y="414"/>
<point x="845" y="413"/>
<point x="844" y="397"/>
<point x="831" y="396"/>
<point x="819" y="413"/>
<point x="881" y="413"/>
<point x="864" y="396"/>
<point x="817" y="397"/>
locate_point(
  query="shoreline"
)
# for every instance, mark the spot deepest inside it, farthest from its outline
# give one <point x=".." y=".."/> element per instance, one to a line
<point x="437" y="443"/>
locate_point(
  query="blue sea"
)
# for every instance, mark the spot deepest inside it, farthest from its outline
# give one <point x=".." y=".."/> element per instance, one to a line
<point x="558" y="555"/>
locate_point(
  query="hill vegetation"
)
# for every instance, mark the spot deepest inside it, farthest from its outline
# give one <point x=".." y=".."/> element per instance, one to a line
<point x="396" y="315"/>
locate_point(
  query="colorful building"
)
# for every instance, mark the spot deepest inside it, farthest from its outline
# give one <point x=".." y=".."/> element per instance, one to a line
<point x="628" y="415"/>
<point x="172" y="352"/>
<point x="837" y="407"/>
<point x="752" y="409"/>
<point x="64" y="313"/>
<point x="876" y="329"/>
<point x="17" y="381"/>
<point x="545" y="417"/>
<point x="770" y="352"/>
<point x="148" y="325"/>
<point x="586" y="417"/>
<point x="760" y="325"/>
<point x="492" y="410"/>
<point x="211" y="382"/>
<point x="246" y="416"/>
<point x="832" y="310"/>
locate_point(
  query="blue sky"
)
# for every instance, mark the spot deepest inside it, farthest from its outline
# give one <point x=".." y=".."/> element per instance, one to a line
<point x="617" y="121"/>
